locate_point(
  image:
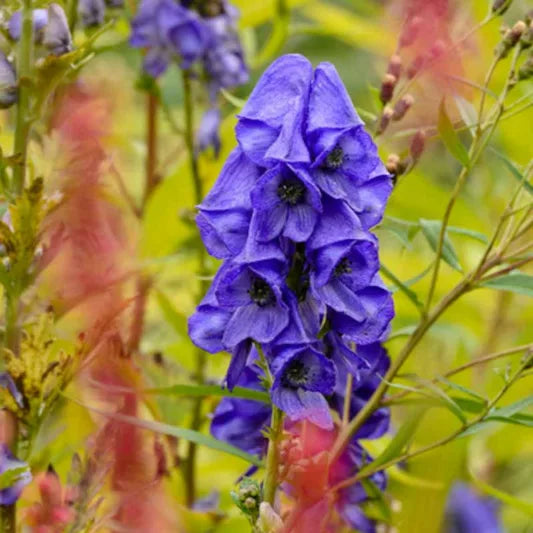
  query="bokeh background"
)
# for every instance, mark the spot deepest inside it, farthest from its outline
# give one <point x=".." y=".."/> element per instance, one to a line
<point x="358" y="37"/>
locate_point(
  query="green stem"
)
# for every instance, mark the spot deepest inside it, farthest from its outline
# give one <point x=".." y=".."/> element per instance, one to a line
<point x="272" y="458"/>
<point x="201" y="357"/>
<point x="25" y="63"/>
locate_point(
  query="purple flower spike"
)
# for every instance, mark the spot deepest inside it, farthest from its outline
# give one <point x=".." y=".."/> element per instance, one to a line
<point x="271" y="124"/>
<point x="301" y="378"/>
<point x="8" y="83"/>
<point x="40" y="19"/>
<point x="8" y="462"/>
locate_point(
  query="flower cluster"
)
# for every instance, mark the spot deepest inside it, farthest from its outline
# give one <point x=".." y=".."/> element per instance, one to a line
<point x="170" y="31"/>
<point x="290" y="214"/>
<point x="92" y="12"/>
<point x="50" y="29"/>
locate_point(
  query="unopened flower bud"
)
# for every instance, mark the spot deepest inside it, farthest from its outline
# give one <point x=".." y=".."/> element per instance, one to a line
<point x="418" y="145"/>
<point x="527" y="37"/>
<point x="392" y="163"/>
<point x="387" y="88"/>
<point x="501" y="6"/>
<point x="529" y="17"/>
<point x="250" y="503"/>
<point x="269" y="521"/>
<point x="526" y="70"/>
<point x="415" y="66"/>
<point x="385" y="119"/>
<point x="8" y="83"/>
<point x="411" y="31"/>
<point x="91" y="12"/>
<point x="57" y="38"/>
<point x="510" y="39"/>
<point x="402" y="106"/>
<point x="395" y="66"/>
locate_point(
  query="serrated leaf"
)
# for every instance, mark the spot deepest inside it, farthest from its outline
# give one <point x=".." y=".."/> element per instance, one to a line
<point x="211" y="390"/>
<point x="449" y="136"/>
<point x="514" y="170"/>
<point x="518" y="283"/>
<point x="431" y="231"/>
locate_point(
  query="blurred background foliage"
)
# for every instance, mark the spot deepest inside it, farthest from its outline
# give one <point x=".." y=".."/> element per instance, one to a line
<point x="358" y="37"/>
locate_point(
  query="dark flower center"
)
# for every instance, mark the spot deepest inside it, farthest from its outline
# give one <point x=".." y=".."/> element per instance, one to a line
<point x="291" y="191"/>
<point x="261" y="293"/>
<point x="335" y="158"/>
<point x="296" y="374"/>
<point x="344" y="266"/>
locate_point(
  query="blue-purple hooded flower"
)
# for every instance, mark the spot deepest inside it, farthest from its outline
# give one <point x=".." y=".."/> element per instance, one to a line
<point x="22" y="476"/>
<point x="469" y="512"/>
<point x="168" y="30"/>
<point x="271" y="124"/>
<point x="57" y="38"/>
<point x="91" y="12"/>
<point x="302" y="376"/>
<point x="40" y="19"/>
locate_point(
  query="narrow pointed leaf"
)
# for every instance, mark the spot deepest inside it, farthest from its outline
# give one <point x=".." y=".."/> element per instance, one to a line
<point x="518" y="283"/>
<point x="431" y="230"/>
<point x="449" y="136"/>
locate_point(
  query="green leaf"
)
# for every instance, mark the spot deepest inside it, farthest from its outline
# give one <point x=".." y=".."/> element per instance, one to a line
<point x="239" y="103"/>
<point x="462" y="388"/>
<point x="446" y="401"/>
<point x="376" y="506"/>
<point x="402" y="438"/>
<point x="514" y="170"/>
<point x="413" y="297"/>
<point x="513" y="408"/>
<point x="211" y="390"/>
<point x="175" y="319"/>
<point x="504" y="497"/>
<point x="514" y="282"/>
<point x="468" y="233"/>
<point x="431" y="231"/>
<point x="176" y="431"/>
<point x="450" y="138"/>
<point x="11" y="476"/>
<point x="468" y="113"/>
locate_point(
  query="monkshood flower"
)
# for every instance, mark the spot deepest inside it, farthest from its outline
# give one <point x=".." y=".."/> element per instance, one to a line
<point x="224" y="58"/>
<point x="50" y="28"/>
<point x="208" y="132"/>
<point x="91" y="12"/>
<point x="57" y="38"/>
<point x="242" y="422"/>
<point x="302" y="376"/>
<point x="168" y="30"/>
<point x="373" y="363"/>
<point x="21" y="476"/>
<point x="40" y="19"/>
<point x="8" y="83"/>
<point x="469" y="512"/>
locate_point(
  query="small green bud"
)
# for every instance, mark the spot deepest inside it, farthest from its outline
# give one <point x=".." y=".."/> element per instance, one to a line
<point x="501" y="6"/>
<point x="250" y="503"/>
<point x="526" y="70"/>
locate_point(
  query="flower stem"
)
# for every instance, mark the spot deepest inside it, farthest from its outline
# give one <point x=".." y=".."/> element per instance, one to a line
<point x="201" y="358"/>
<point x="272" y="458"/>
<point x="25" y="61"/>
